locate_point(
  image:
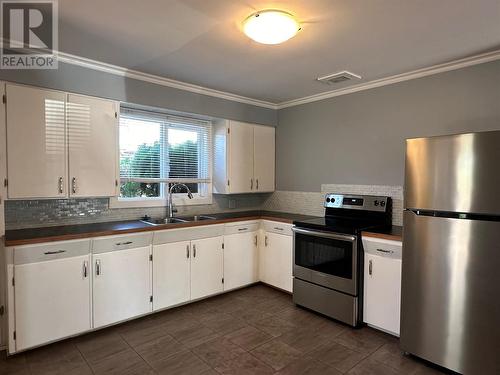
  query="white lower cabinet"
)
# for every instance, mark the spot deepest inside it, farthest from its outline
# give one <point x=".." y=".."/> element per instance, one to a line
<point x="241" y="255"/>
<point x="382" y="284"/>
<point x="171" y="274"/>
<point x="207" y="267"/>
<point x="276" y="256"/>
<point x="121" y="278"/>
<point x="51" y="293"/>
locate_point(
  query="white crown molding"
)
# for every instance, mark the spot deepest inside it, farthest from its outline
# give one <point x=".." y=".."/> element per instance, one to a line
<point x="135" y="74"/>
<point x="419" y="73"/>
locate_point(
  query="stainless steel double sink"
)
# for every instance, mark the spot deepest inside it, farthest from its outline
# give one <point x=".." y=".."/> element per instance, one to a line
<point x="177" y="220"/>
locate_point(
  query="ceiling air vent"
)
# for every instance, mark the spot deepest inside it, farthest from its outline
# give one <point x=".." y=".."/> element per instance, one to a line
<point x="339" y="77"/>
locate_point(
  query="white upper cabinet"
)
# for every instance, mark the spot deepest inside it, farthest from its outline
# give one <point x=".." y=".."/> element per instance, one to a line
<point x="47" y="128"/>
<point x="36" y="145"/>
<point x="244" y="160"/>
<point x="92" y="136"/>
<point x="264" y="158"/>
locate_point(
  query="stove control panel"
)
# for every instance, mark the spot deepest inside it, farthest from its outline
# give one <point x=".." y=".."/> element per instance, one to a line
<point x="359" y="202"/>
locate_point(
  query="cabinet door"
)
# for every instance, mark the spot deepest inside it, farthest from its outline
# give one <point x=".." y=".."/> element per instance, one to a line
<point x="122" y="285"/>
<point x="206" y="267"/>
<point x="171" y="274"/>
<point x="382" y="292"/>
<point x="277" y="261"/>
<point x="240" y="260"/>
<point x="92" y="137"/>
<point x="240" y="157"/>
<point x="52" y="300"/>
<point x="264" y="158"/>
<point x="36" y="147"/>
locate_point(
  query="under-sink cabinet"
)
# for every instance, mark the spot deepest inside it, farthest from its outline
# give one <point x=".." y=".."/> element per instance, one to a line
<point x="61" y="289"/>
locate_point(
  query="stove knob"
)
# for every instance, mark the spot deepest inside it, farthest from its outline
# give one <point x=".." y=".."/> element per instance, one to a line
<point x="333" y="200"/>
<point x="375" y="203"/>
<point x="382" y="203"/>
<point x="327" y="200"/>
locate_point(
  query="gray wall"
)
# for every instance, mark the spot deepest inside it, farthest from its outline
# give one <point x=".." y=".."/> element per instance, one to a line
<point x="81" y="80"/>
<point x="360" y="138"/>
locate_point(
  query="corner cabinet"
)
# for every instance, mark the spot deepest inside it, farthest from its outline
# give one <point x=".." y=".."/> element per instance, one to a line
<point x="244" y="158"/>
<point x="59" y="145"/>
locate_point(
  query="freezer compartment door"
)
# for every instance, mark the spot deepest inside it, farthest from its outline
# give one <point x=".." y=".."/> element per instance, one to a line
<point x="455" y="173"/>
<point x="450" y="312"/>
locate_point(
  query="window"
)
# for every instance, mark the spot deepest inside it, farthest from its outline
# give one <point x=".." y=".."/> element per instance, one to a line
<point x="158" y="150"/>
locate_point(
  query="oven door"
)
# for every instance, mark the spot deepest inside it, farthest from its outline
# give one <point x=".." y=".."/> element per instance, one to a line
<point x="327" y="259"/>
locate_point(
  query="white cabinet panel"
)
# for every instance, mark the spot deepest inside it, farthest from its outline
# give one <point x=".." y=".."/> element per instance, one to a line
<point x="276" y="260"/>
<point x="121" y="285"/>
<point x="52" y="300"/>
<point x="382" y="284"/>
<point x="36" y="144"/>
<point x="264" y="158"/>
<point x="241" y="157"/>
<point x="240" y="259"/>
<point x="206" y="267"/>
<point x="171" y="274"/>
<point x="92" y="137"/>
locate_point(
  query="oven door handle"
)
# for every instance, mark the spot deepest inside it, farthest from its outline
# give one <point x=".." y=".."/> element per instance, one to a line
<point x="318" y="233"/>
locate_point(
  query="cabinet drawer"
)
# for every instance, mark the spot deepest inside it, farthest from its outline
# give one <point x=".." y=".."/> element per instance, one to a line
<point x="188" y="234"/>
<point x="382" y="247"/>
<point x="50" y="251"/>
<point x="117" y="243"/>
<point x="277" y="227"/>
<point x="241" y="227"/>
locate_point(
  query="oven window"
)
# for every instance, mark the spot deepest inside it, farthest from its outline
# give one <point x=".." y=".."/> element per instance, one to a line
<point x="326" y="255"/>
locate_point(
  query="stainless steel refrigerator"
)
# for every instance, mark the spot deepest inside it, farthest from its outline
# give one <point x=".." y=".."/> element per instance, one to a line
<point x="450" y="312"/>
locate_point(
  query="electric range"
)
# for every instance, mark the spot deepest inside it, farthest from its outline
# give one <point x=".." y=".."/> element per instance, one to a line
<point x="328" y="257"/>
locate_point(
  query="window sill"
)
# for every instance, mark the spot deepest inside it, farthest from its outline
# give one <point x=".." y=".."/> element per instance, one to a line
<point x="178" y="200"/>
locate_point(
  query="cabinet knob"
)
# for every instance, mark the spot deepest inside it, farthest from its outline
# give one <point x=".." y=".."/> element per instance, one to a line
<point x="61" y="185"/>
<point x="257" y="184"/>
<point x="187" y="251"/>
<point x="370" y="267"/>
<point x="194" y="251"/>
<point x="265" y="241"/>
<point x="85" y="269"/>
<point x="251" y="184"/>
<point x="73" y="185"/>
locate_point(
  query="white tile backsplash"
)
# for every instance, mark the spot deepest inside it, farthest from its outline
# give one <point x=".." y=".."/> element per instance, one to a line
<point x="311" y="203"/>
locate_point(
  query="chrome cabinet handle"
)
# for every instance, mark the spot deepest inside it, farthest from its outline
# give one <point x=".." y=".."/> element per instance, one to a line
<point x="255" y="240"/>
<point x="265" y="241"/>
<point x="251" y="184"/>
<point x="257" y="184"/>
<point x="54" y="252"/>
<point x="73" y="185"/>
<point x="187" y="251"/>
<point x="385" y="251"/>
<point x="85" y="269"/>
<point x="370" y="267"/>
<point x="124" y="243"/>
<point x="61" y="185"/>
<point x="194" y="251"/>
<point x="242" y="229"/>
<point x="97" y="267"/>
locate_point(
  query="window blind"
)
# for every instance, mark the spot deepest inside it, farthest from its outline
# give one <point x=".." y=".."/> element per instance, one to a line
<point x="156" y="147"/>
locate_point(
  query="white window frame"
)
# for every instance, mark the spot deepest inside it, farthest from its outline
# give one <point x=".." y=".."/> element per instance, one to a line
<point x="178" y="199"/>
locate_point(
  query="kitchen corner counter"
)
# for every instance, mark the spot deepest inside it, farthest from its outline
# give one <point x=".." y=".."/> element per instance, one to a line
<point x="70" y="232"/>
<point x="395" y="233"/>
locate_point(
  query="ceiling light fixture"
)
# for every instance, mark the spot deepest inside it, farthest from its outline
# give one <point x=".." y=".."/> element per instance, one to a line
<point x="271" y="26"/>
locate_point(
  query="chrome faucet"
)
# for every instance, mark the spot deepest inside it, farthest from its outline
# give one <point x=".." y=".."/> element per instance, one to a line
<point x="171" y="209"/>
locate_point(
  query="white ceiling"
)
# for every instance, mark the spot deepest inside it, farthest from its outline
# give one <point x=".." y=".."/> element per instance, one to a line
<point x="200" y="41"/>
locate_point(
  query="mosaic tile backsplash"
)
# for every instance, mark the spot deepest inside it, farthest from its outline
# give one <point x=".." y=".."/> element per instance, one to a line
<point x="42" y="213"/>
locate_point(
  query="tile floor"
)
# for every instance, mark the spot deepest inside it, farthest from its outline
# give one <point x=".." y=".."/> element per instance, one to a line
<point x="256" y="330"/>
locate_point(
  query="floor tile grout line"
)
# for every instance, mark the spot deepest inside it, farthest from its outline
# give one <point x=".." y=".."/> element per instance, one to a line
<point x="85" y="359"/>
<point x="135" y="351"/>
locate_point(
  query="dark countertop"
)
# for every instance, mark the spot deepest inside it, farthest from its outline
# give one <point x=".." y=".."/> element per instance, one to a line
<point x="394" y="233"/>
<point x="70" y="232"/>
